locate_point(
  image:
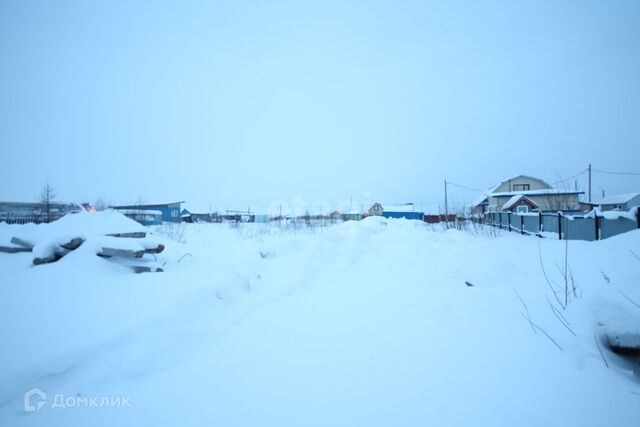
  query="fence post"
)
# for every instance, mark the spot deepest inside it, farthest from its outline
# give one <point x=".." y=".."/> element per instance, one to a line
<point x="500" y="219"/>
<point x="509" y="220"/>
<point x="638" y="217"/>
<point x="540" y="222"/>
<point x="597" y="223"/>
<point x="521" y="224"/>
<point x="559" y="226"/>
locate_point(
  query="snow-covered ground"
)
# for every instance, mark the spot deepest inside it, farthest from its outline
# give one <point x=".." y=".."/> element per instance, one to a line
<point x="358" y="324"/>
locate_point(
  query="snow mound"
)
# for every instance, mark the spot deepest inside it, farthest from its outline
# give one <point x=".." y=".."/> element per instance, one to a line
<point x="81" y="224"/>
<point x="85" y="235"/>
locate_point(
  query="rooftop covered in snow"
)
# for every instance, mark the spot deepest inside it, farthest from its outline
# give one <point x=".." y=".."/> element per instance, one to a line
<point x="616" y="199"/>
<point x="405" y="207"/>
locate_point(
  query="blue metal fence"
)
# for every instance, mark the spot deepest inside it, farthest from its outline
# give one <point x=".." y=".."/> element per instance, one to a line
<point x="549" y="223"/>
<point x="613" y="227"/>
<point x="531" y="223"/>
<point x="405" y="215"/>
<point x="589" y="227"/>
<point x="579" y="228"/>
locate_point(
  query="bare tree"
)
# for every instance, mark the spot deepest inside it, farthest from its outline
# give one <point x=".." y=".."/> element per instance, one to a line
<point x="560" y="200"/>
<point x="47" y="194"/>
<point x="100" y="204"/>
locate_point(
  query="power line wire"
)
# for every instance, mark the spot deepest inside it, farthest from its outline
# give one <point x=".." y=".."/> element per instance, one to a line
<point x="572" y="176"/>
<point x="556" y="182"/>
<point x="616" y="173"/>
<point x="465" y="187"/>
<point x="486" y="190"/>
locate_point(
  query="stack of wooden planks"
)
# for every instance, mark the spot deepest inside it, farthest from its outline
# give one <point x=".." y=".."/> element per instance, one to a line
<point x="120" y="249"/>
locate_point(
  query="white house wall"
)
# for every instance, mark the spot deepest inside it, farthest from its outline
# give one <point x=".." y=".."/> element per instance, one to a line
<point x="534" y="184"/>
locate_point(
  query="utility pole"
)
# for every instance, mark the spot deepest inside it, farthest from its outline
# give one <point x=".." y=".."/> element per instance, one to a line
<point x="446" y="207"/>
<point x="589" y="182"/>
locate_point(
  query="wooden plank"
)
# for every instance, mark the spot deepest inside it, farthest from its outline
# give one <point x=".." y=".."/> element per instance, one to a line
<point x="124" y="253"/>
<point x="158" y="249"/>
<point x="13" y="250"/>
<point x="22" y="243"/>
<point x="134" y="235"/>
<point x="73" y="244"/>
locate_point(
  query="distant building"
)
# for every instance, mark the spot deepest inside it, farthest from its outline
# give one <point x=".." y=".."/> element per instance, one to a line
<point x="22" y="213"/>
<point x="376" y="209"/>
<point x="351" y="214"/>
<point x="525" y="194"/>
<point x="188" y="216"/>
<point x="406" y="211"/>
<point x="620" y="202"/>
<point x="335" y="216"/>
<point x="143" y="216"/>
<point x="148" y="214"/>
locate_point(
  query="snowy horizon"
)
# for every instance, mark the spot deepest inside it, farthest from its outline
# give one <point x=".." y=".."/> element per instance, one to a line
<point x="238" y="104"/>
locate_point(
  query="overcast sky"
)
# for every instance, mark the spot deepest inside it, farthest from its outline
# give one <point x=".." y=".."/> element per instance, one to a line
<point x="236" y="104"/>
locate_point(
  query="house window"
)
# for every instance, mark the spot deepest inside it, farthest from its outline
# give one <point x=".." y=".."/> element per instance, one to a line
<point x="522" y="209"/>
<point x="521" y="187"/>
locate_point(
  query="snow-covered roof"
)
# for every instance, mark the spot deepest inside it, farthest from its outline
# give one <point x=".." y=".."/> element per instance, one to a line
<point x="196" y="208"/>
<point x="351" y="211"/>
<point x="406" y="207"/>
<point x="139" y="211"/>
<point x="549" y="192"/>
<point x="484" y="198"/>
<point x="515" y="199"/>
<point x="490" y="191"/>
<point x="145" y="205"/>
<point x="480" y="200"/>
<point x="617" y="199"/>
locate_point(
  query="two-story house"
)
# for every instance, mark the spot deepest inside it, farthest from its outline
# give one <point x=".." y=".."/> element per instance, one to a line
<point x="527" y="194"/>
